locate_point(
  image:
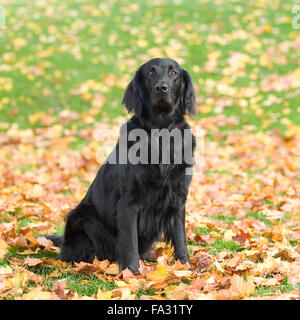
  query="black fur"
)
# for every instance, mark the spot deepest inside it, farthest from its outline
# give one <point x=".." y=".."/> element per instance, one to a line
<point x="128" y="207"/>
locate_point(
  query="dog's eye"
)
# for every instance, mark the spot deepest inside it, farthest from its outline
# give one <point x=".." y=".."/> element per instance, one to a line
<point x="172" y="74"/>
<point x="150" y="73"/>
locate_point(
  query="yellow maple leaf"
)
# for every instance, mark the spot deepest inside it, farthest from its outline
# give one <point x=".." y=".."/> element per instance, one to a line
<point x="159" y="274"/>
<point x="103" y="295"/>
<point x="37" y="294"/>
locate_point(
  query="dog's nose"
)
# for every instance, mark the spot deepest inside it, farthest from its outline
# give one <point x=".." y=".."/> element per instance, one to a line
<point x="161" y="87"/>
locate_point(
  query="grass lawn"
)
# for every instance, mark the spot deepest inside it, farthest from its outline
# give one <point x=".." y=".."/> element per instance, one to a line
<point x="80" y="55"/>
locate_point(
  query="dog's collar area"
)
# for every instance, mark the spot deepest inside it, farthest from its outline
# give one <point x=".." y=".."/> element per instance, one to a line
<point x="175" y="127"/>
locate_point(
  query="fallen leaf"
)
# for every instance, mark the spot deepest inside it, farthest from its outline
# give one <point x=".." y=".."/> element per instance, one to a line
<point x="3" y="248"/>
<point x="31" y="262"/>
<point x="103" y="295"/>
<point x="203" y="262"/>
<point x="241" y="287"/>
<point x="294" y="274"/>
<point x="59" y="289"/>
<point x="38" y="294"/>
<point x="161" y="273"/>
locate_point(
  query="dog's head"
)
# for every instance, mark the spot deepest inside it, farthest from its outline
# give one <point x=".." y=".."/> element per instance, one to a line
<point x="160" y="86"/>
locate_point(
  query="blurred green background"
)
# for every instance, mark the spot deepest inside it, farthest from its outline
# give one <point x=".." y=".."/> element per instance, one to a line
<point x="69" y="61"/>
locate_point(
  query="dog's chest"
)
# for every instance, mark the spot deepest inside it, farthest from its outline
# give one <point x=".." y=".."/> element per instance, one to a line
<point x="166" y="189"/>
<point x="160" y="204"/>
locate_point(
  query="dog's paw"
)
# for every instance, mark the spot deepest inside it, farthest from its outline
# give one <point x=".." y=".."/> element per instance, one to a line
<point x="148" y="257"/>
<point x="134" y="269"/>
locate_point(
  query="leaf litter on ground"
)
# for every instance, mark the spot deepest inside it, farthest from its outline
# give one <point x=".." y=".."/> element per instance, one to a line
<point x="237" y="237"/>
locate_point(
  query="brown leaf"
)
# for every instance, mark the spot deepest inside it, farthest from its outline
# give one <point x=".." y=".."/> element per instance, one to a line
<point x="199" y="283"/>
<point x="203" y="262"/>
<point x="112" y="269"/>
<point x="97" y="266"/>
<point x="204" y="238"/>
<point x="85" y="268"/>
<point x="59" y="289"/>
<point x="31" y="262"/>
<point x="233" y="263"/>
<point x="46" y="243"/>
<point x="127" y="274"/>
<point x="241" y="239"/>
<point x="145" y="267"/>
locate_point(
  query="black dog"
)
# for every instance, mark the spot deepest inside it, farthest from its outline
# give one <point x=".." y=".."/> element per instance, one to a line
<point x="129" y="206"/>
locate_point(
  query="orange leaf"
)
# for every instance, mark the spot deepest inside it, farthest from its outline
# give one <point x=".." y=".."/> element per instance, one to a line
<point x="31" y="262"/>
<point x="240" y="287"/>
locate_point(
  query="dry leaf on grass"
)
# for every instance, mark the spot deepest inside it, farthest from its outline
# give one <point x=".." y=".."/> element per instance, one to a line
<point x="39" y="294"/>
<point x="31" y="262"/>
<point x="240" y="287"/>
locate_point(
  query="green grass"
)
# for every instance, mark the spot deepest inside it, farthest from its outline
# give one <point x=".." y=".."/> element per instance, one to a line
<point x="231" y="246"/>
<point x="17" y="212"/>
<point x="15" y="253"/>
<point x="286" y="216"/>
<point x="269" y="291"/>
<point x="259" y="216"/>
<point x="225" y="219"/>
<point x="87" y="286"/>
<point x="212" y="173"/>
<point x="146" y="292"/>
<point x="83" y="285"/>
<point x="294" y="243"/>
<point x="63" y="51"/>
<point x="203" y="230"/>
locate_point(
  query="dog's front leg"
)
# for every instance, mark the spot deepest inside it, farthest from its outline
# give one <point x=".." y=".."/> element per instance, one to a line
<point x="178" y="238"/>
<point x="128" y="253"/>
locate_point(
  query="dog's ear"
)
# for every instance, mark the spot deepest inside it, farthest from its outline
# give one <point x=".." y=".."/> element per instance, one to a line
<point x="133" y="97"/>
<point x="188" y="95"/>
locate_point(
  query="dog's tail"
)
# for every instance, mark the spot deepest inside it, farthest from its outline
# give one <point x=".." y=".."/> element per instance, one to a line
<point x="57" y="240"/>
